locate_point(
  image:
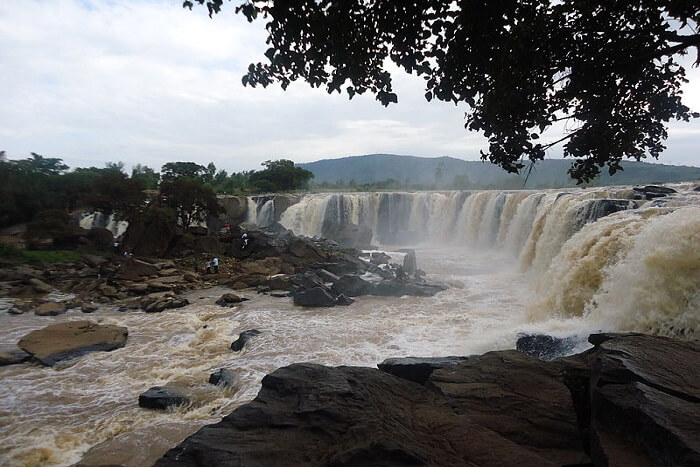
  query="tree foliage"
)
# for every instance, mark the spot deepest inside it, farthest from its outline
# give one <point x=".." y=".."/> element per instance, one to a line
<point x="609" y="69"/>
<point x="190" y="198"/>
<point x="280" y="175"/>
<point x="173" y="170"/>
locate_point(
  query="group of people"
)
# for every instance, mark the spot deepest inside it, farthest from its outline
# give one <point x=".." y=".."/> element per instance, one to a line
<point x="212" y="266"/>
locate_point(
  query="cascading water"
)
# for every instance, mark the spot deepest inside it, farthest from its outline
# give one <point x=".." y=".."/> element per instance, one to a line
<point x="574" y="246"/>
<point x="98" y="219"/>
<point x="562" y="263"/>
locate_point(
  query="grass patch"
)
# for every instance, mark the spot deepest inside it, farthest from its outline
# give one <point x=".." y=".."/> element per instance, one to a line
<point x="39" y="257"/>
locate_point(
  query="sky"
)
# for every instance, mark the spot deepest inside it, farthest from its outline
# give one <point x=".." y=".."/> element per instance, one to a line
<point x="146" y="81"/>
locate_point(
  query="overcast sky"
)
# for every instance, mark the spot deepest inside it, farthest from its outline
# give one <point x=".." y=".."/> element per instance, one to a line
<point x="150" y="82"/>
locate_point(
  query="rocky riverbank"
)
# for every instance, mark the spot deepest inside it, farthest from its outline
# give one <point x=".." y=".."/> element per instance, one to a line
<point x="630" y="400"/>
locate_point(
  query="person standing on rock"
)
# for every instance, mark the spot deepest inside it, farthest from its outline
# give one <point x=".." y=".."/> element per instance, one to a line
<point x="215" y="265"/>
<point x="208" y="266"/>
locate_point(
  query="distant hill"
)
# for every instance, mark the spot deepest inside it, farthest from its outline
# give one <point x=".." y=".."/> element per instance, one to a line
<point x="394" y="171"/>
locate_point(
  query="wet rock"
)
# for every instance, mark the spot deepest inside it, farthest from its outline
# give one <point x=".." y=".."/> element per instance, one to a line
<point x="136" y="270"/>
<point x="224" y="377"/>
<point x="545" y="347"/>
<point x="326" y="276"/>
<point x="165" y="303"/>
<point x="314" y="297"/>
<point x="19" y="308"/>
<point x="343" y="300"/>
<point x="13" y="356"/>
<point x="74" y="338"/>
<point x="163" y="397"/>
<point x="654" y="191"/>
<point x="229" y="299"/>
<point x="280" y="282"/>
<point x="108" y="291"/>
<point x="238" y="285"/>
<point x="352" y="286"/>
<point x="137" y="288"/>
<point x="409" y="263"/>
<point x="304" y="248"/>
<point x="379" y="257"/>
<point x="243" y="338"/>
<point x="39" y="285"/>
<point x="643" y="400"/>
<point x="50" y="309"/>
<point x="417" y="369"/>
<point x="521" y="398"/>
<point x="307" y="414"/>
<point x="398" y="288"/>
<point x="88" y="307"/>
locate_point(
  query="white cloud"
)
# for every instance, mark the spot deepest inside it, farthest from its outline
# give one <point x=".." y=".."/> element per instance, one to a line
<point x="149" y="82"/>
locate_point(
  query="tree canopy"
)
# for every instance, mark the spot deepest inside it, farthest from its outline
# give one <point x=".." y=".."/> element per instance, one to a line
<point x="610" y="69"/>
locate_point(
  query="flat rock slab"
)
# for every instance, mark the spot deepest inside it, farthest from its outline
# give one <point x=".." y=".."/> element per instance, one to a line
<point x="417" y="369"/>
<point x="308" y="414"/>
<point x="74" y="338"/>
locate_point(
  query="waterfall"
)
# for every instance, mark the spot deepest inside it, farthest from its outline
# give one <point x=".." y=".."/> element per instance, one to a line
<point x="97" y="219"/>
<point x="628" y="265"/>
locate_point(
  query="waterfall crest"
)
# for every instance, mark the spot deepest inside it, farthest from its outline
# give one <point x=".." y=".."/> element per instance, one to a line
<point x="622" y="264"/>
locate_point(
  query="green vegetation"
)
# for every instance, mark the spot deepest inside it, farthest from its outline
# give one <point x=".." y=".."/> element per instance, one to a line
<point x="39" y="258"/>
<point x="41" y="190"/>
<point x="609" y="69"/>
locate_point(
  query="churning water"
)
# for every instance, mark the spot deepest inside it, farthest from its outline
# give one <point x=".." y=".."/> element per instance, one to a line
<point x="557" y="262"/>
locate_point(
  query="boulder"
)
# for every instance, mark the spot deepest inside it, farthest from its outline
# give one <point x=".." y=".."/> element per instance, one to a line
<point x="409" y="263"/>
<point x="643" y="400"/>
<point x="67" y="340"/>
<point x="546" y="347"/>
<point x="308" y="414"/>
<point x="39" y="285"/>
<point x="517" y="396"/>
<point x="88" y="307"/>
<point x="13" y="355"/>
<point x="155" y="304"/>
<point x="163" y="397"/>
<point x="135" y="270"/>
<point x="417" y="369"/>
<point x="379" y="257"/>
<point x="314" y="297"/>
<point x="243" y="338"/>
<point x="305" y="249"/>
<point x="229" y="299"/>
<point x="352" y="286"/>
<point x="265" y="267"/>
<point x="280" y="282"/>
<point x="108" y="291"/>
<point x="224" y="377"/>
<point x="50" y="309"/>
<point x="326" y="276"/>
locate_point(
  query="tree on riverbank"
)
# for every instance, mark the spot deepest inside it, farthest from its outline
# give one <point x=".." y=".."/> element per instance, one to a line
<point x="609" y="69"/>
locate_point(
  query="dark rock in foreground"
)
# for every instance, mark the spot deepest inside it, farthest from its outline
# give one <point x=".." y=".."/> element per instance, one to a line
<point x="417" y="369"/>
<point x="314" y="297"/>
<point x="72" y="339"/>
<point x="307" y="414"/>
<point x="243" y="338"/>
<point x="163" y="397"/>
<point x="229" y="300"/>
<point x="631" y="400"/>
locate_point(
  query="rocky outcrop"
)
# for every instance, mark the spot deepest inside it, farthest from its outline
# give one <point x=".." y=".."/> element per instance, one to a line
<point x="349" y="235"/>
<point x="631" y="400"/>
<point x="243" y="339"/>
<point x="68" y="340"/>
<point x="224" y="377"/>
<point x="155" y="303"/>
<point x="308" y="414"/>
<point x="229" y="300"/>
<point x="315" y="297"/>
<point x="163" y="397"/>
<point x="640" y="400"/>
<point x="653" y="191"/>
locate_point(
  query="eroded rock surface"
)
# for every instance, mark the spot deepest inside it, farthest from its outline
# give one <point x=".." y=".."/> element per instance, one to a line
<point x="72" y="339"/>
